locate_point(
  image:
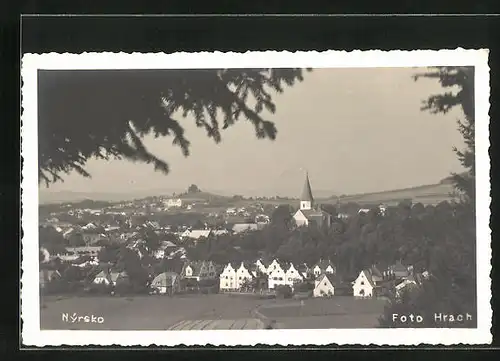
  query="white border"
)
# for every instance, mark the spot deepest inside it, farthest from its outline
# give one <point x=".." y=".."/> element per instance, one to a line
<point x="30" y="311"/>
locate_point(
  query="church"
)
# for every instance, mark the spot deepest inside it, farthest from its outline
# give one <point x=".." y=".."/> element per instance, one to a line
<point x="308" y="213"/>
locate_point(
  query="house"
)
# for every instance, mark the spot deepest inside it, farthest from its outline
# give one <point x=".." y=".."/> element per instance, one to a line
<point x="166" y="283"/>
<point x="196" y="234"/>
<point x="293" y="275"/>
<point x="219" y="232"/>
<point x="173" y="203"/>
<point x="244" y="227"/>
<point x="47" y="276"/>
<point x="399" y="270"/>
<point x="323" y="266"/>
<point x="89" y="226"/>
<point x="324" y="285"/>
<point x="308" y="214"/>
<point x="367" y="283"/>
<point x="277" y="274"/>
<point x="152" y="224"/>
<point x="227" y="278"/>
<point x="199" y="270"/>
<point x="244" y="273"/>
<point x="165" y="249"/>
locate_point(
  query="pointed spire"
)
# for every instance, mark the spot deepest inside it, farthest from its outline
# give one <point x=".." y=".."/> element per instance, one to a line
<point x="306" y="192"/>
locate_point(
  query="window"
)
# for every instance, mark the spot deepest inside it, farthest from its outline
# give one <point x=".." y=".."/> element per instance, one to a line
<point x="362" y="283"/>
<point x="281" y="278"/>
<point x="275" y="278"/>
<point x="226" y="284"/>
<point x="239" y="278"/>
<point x="325" y="283"/>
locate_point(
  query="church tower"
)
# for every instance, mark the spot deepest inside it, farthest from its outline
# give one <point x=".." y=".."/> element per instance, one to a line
<point x="306" y="200"/>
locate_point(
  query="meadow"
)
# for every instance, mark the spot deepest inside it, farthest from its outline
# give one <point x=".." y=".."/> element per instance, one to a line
<point x="208" y="312"/>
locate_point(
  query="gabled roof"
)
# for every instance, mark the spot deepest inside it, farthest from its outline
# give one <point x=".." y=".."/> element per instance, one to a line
<point x="312" y="214"/>
<point x="399" y="267"/>
<point x="331" y="278"/>
<point x="374" y="272"/>
<point x="368" y="276"/>
<point x="306" y="191"/>
<point x="323" y="264"/>
<point x="249" y="266"/>
<point x="234" y="265"/>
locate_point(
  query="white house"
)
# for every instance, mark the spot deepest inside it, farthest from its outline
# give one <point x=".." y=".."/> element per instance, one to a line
<point x="366" y="283"/>
<point x="200" y="270"/>
<point x="165" y="249"/>
<point x="220" y="232"/>
<point x="323" y="266"/>
<point x="243" y="273"/>
<point x="196" y="234"/>
<point x="307" y="213"/>
<point x="173" y="203"/>
<point x="276" y="274"/>
<point x="293" y="275"/>
<point x="227" y="278"/>
<point x="324" y="285"/>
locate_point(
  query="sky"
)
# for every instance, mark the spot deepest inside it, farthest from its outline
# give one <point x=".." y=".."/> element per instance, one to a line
<point x="368" y="134"/>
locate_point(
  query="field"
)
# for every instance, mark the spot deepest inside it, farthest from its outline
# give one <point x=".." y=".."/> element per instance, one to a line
<point x="208" y="312"/>
<point x="426" y="194"/>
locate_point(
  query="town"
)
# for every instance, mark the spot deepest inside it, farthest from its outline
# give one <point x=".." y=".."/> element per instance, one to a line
<point x="127" y="248"/>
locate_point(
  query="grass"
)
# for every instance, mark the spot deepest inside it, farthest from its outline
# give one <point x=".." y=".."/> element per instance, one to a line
<point x="163" y="312"/>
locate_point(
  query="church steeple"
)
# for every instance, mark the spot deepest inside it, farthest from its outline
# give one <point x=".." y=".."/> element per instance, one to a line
<point x="306" y="200"/>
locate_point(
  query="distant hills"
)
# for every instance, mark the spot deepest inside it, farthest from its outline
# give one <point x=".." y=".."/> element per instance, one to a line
<point x="426" y="194"/>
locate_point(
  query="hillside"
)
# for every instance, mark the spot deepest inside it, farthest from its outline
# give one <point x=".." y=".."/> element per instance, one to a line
<point x="203" y="197"/>
<point x="426" y="194"/>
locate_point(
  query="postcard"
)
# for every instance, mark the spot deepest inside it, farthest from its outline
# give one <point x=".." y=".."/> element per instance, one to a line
<point x="276" y="198"/>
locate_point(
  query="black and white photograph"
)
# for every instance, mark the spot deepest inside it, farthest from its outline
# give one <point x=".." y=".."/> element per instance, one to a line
<point x="233" y="199"/>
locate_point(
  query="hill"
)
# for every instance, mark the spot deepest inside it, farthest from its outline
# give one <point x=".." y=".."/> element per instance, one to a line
<point x="202" y="197"/>
<point x="425" y="194"/>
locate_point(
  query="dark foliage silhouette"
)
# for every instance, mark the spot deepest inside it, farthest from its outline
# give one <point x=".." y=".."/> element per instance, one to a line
<point x="106" y="114"/>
